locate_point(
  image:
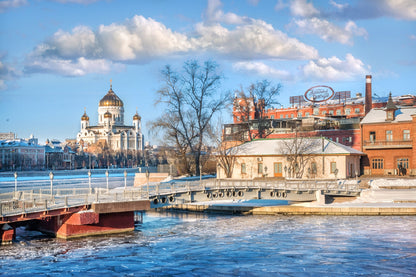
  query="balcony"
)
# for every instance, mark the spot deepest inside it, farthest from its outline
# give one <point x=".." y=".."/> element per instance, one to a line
<point x="385" y="144"/>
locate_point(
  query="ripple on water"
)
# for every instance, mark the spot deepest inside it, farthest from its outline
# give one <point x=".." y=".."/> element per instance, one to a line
<point x="183" y="244"/>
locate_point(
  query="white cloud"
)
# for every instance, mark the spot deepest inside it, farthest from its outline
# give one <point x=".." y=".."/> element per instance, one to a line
<point x="8" y="4"/>
<point x="412" y="37"/>
<point x="7" y="73"/>
<point x="302" y="8"/>
<point x="337" y="5"/>
<point x="280" y="5"/>
<point x="262" y="69"/>
<point x="328" y="31"/>
<point x="71" y="68"/>
<point x="214" y="14"/>
<point x="140" y="39"/>
<point x="250" y="41"/>
<point x="334" y="69"/>
<point x="402" y="9"/>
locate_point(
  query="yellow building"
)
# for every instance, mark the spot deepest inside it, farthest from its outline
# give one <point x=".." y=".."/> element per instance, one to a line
<point x="302" y="158"/>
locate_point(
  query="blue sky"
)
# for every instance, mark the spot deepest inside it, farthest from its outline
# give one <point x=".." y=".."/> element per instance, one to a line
<point x="57" y="56"/>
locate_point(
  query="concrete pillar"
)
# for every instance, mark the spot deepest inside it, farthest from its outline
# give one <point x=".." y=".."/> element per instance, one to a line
<point x="320" y="197"/>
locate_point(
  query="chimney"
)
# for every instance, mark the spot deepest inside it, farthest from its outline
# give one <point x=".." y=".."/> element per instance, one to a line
<point x="368" y="94"/>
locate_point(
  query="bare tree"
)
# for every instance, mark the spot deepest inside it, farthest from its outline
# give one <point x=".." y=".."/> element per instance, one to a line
<point x="299" y="151"/>
<point x="191" y="100"/>
<point x="252" y="107"/>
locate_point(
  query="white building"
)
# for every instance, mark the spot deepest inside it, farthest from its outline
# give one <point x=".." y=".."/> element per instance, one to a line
<point x="111" y="130"/>
<point x="303" y="158"/>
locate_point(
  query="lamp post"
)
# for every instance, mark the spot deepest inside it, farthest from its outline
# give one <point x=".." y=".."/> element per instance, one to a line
<point x="106" y="175"/>
<point x="125" y="179"/>
<point x="51" y="177"/>
<point x="89" y="180"/>
<point x="147" y="178"/>
<point x="200" y="173"/>
<point x="15" y="182"/>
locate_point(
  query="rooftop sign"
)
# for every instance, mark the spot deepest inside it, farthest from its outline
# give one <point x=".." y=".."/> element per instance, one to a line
<point x="319" y="93"/>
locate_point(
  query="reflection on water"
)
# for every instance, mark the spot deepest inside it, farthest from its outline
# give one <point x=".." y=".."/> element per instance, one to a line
<point x="182" y="244"/>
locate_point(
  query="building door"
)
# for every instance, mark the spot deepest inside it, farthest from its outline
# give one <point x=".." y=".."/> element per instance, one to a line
<point x="278" y="170"/>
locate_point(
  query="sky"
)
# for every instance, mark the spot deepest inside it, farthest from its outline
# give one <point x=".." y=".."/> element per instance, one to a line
<point x="57" y="57"/>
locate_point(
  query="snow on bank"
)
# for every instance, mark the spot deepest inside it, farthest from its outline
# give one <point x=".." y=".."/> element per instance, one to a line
<point x="377" y="184"/>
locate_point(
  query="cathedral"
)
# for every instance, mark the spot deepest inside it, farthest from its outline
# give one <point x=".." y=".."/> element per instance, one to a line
<point x="111" y="131"/>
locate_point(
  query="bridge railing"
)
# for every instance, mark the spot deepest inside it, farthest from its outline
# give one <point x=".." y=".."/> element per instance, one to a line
<point x="43" y="199"/>
<point x="22" y="202"/>
<point x="325" y="185"/>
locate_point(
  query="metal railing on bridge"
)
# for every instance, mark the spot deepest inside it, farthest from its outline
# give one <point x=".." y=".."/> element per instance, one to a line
<point x="35" y="200"/>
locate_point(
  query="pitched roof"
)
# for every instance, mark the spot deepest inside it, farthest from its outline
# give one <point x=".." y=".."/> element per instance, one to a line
<point x="273" y="147"/>
<point x="379" y="115"/>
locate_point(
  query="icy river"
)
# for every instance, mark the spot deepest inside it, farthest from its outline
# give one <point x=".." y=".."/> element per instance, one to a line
<point x="180" y="244"/>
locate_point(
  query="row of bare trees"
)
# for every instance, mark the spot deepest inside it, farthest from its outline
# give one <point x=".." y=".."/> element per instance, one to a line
<point x="192" y="100"/>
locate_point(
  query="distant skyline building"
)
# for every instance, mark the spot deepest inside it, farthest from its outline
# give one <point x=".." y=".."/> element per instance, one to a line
<point x="111" y="130"/>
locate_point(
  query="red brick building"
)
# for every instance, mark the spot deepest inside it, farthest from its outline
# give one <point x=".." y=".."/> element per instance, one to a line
<point x="388" y="139"/>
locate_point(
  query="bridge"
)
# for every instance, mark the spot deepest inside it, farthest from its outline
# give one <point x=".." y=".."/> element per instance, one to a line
<point x="76" y="212"/>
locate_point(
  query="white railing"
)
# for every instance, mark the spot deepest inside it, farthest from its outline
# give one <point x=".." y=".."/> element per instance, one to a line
<point x="28" y="201"/>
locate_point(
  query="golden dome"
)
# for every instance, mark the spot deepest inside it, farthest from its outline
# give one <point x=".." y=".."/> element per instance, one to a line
<point x="107" y="114"/>
<point x="137" y="117"/>
<point x="111" y="99"/>
<point x="85" y="116"/>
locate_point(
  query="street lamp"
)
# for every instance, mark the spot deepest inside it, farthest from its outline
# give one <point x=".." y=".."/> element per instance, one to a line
<point x="89" y="179"/>
<point x="200" y="173"/>
<point x="147" y="178"/>
<point x="125" y="179"/>
<point x="15" y="182"/>
<point x="106" y="175"/>
<point x="51" y="177"/>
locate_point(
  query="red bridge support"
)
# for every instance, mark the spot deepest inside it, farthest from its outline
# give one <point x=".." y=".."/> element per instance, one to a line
<point x="67" y="223"/>
<point x="87" y="223"/>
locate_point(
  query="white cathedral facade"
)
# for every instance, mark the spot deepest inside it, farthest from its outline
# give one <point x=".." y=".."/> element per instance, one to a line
<point x="111" y="129"/>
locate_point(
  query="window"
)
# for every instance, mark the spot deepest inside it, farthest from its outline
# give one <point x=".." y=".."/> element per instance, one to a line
<point x="281" y="116"/>
<point x="331" y="112"/>
<point x="372" y="136"/>
<point x="377" y="163"/>
<point x="314" y="168"/>
<point x="243" y="168"/>
<point x="347" y="111"/>
<point x="338" y="112"/>
<point x="291" y="116"/>
<point x="287" y="116"/>
<point x="260" y="168"/>
<point x="406" y="134"/>
<point x="238" y="118"/>
<point x="272" y="117"/>
<point x="403" y="163"/>
<point x="299" y="114"/>
<point x="323" y="112"/>
<point x="389" y="135"/>
<point x="316" y="111"/>
<point x="357" y="110"/>
<point x="306" y="114"/>
<point x="334" y="168"/>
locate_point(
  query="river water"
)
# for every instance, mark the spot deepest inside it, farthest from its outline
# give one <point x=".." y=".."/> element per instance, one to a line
<point x="180" y="244"/>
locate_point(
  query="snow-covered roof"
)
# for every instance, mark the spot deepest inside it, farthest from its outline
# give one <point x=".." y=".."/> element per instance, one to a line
<point x="273" y="147"/>
<point x="16" y="143"/>
<point x="378" y="115"/>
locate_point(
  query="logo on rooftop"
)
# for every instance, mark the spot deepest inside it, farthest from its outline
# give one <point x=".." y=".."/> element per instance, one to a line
<point x="319" y="93"/>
